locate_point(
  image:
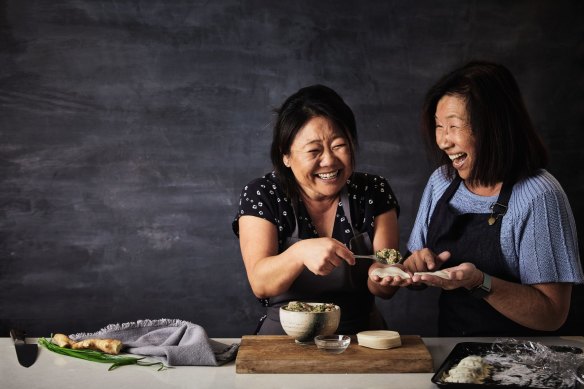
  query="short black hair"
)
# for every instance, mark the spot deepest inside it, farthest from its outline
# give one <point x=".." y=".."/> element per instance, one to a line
<point x="309" y="102"/>
<point x="507" y="146"/>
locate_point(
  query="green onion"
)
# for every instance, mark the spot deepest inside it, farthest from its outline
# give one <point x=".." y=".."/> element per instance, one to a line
<point x="98" y="356"/>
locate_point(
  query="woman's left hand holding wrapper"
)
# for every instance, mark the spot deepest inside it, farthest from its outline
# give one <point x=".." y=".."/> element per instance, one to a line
<point x="389" y="280"/>
<point x="386" y="236"/>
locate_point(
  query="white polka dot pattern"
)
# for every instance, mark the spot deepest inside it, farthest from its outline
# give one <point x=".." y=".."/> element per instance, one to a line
<point x="369" y="195"/>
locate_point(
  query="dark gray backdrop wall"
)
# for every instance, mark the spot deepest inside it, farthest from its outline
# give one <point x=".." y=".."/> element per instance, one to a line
<point x="128" y="129"/>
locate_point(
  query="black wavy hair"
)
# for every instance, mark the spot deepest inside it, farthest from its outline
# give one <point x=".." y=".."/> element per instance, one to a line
<point x="309" y="102"/>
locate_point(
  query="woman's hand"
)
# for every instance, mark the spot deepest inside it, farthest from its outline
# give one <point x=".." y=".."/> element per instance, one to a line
<point x="385" y="235"/>
<point x="542" y="307"/>
<point x="464" y="275"/>
<point x="270" y="273"/>
<point x="322" y="255"/>
<point x="425" y="260"/>
<point x="389" y="280"/>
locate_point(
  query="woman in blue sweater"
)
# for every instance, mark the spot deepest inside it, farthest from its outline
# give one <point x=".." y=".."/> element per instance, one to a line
<point x="491" y="217"/>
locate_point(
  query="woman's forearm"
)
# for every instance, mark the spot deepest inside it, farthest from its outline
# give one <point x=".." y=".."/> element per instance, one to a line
<point x="268" y="272"/>
<point x="273" y="275"/>
<point x="541" y="307"/>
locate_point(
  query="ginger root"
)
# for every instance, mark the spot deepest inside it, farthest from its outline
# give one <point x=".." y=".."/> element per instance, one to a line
<point x="108" y="346"/>
<point x="62" y="340"/>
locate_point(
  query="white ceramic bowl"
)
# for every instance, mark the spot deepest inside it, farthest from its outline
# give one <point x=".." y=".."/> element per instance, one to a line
<point x="304" y="326"/>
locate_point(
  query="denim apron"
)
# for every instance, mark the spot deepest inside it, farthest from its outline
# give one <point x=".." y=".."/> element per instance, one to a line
<point x="470" y="238"/>
<point x="345" y="286"/>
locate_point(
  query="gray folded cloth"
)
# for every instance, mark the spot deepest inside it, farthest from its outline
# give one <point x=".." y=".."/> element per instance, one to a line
<point x="173" y="342"/>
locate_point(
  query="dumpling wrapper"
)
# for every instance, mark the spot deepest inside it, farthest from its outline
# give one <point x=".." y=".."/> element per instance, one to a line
<point x="438" y="273"/>
<point x="391" y="271"/>
<point x="380" y="339"/>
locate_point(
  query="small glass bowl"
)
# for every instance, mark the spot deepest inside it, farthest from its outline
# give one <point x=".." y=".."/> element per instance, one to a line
<point x="333" y="344"/>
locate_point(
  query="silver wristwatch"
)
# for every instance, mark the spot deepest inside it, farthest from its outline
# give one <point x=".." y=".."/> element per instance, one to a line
<point x="484" y="289"/>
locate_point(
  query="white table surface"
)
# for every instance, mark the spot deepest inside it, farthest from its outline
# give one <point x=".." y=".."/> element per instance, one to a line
<point x="56" y="371"/>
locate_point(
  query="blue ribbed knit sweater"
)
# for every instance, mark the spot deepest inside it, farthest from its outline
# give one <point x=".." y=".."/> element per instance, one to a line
<point x="538" y="232"/>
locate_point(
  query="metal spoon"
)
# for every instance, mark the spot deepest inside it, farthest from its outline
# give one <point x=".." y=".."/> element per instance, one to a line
<point x="373" y="257"/>
<point x="380" y="259"/>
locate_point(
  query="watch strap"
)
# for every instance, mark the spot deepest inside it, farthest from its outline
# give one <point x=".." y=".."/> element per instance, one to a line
<point x="484" y="289"/>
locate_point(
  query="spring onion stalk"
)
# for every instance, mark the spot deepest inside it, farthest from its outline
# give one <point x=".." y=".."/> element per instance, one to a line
<point x="98" y="356"/>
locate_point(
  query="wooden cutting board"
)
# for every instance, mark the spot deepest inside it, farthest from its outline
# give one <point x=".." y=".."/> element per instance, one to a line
<point x="280" y="354"/>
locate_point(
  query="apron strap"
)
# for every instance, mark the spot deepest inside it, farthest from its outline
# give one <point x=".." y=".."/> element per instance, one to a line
<point x="344" y="203"/>
<point x="499" y="208"/>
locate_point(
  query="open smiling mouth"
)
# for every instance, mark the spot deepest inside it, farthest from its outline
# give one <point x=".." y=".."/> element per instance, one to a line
<point x="328" y="176"/>
<point x="457" y="159"/>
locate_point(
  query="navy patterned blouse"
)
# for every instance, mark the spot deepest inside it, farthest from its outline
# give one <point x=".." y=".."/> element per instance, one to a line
<point x="369" y="195"/>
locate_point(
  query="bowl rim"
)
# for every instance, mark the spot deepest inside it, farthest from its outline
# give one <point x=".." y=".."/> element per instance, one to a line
<point x="334" y="338"/>
<point x="342" y="342"/>
<point x="337" y="308"/>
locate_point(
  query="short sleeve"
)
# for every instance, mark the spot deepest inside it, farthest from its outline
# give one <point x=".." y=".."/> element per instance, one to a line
<point x="547" y="245"/>
<point x="264" y="198"/>
<point x="383" y="199"/>
<point x="370" y="195"/>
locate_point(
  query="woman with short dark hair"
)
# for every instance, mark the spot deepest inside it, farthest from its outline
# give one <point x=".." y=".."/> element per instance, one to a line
<point x="507" y="146"/>
<point x="300" y="225"/>
<point x="497" y="223"/>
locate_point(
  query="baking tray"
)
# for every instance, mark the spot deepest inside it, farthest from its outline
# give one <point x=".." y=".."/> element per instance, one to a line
<point x="504" y="372"/>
